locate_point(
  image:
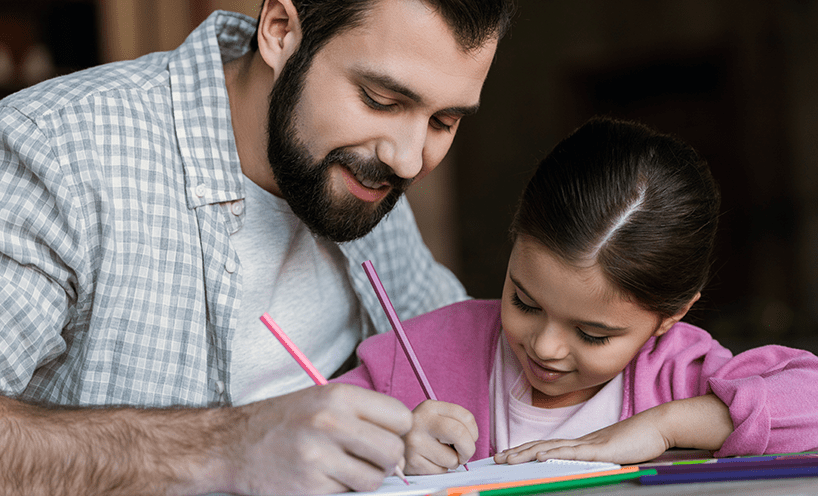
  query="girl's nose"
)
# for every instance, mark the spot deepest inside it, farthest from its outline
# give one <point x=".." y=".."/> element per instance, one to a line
<point x="550" y="344"/>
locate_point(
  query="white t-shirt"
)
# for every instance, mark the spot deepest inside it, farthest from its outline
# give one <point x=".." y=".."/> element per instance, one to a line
<point x="517" y="421"/>
<point x="301" y="281"/>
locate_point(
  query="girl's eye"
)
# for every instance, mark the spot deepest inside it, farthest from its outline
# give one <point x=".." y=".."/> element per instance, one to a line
<point x="372" y="103"/>
<point x="595" y="340"/>
<point x="517" y="302"/>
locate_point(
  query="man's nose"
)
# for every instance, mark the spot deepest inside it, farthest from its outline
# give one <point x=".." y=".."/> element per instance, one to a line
<point x="403" y="149"/>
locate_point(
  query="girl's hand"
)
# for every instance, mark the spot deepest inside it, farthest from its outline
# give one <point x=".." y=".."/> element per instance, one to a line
<point x="702" y="422"/>
<point x="633" y="440"/>
<point x="442" y="437"/>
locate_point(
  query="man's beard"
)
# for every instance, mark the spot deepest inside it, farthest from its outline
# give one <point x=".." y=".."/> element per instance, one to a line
<point x="305" y="182"/>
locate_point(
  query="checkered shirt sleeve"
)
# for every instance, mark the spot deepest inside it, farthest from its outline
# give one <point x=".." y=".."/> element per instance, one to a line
<point x="113" y="183"/>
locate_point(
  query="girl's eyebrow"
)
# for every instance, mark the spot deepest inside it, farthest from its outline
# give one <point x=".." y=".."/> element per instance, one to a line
<point x="601" y="326"/>
<point x="596" y="325"/>
<point x="520" y="287"/>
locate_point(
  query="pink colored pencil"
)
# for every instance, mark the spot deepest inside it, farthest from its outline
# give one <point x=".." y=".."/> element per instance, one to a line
<point x="305" y="363"/>
<point x="392" y="315"/>
<point x="299" y="356"/>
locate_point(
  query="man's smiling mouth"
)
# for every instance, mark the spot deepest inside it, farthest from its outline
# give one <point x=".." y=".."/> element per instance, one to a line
<point x="364" y="189"/>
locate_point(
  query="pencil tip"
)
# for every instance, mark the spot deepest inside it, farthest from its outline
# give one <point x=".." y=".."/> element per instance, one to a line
<point x="401" y="476"/>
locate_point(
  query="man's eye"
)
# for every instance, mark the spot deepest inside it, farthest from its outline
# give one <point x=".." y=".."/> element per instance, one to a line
<point x="439" y="124"/>
<point x="372" y="103"/>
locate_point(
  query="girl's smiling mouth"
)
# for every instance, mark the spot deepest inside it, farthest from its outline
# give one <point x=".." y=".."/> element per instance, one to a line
<point x="545" y="374"/>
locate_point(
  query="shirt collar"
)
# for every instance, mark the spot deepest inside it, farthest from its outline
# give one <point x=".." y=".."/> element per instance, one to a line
<point x="201" y="108"/>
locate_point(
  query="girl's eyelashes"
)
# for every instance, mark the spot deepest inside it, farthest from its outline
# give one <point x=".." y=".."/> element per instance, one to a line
<point x="517" y="302"/>
<point x="597" y="340"/>
<point x="587" y="338"/>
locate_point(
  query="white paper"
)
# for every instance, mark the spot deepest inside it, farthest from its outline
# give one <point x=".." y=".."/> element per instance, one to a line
<point x="485" y="471"/>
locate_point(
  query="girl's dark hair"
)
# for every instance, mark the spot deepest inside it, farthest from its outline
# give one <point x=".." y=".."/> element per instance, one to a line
<point x="641" y="204"/>
<point x="473" y="22"/>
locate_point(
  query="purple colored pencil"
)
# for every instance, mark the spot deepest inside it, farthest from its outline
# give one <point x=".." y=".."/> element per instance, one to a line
<point x="392" y="315"/>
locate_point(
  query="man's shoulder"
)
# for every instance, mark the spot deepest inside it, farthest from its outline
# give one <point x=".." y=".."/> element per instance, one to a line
<point x="79" y="87"/>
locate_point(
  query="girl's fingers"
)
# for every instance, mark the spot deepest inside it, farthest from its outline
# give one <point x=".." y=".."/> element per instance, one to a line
<point x="434" y="458"/>
<point x="528" y="451"/>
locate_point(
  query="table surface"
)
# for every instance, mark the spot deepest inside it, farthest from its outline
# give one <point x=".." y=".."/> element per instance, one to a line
<point x="806" y="486"/>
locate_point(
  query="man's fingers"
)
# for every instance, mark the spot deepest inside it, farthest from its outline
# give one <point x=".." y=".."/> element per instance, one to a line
<point x="326" y="438"/>
<point x="356" y="474"/>
<point x="367" y="425"/>
<point x="379" y="409"/>
<point x="372" y="443"/>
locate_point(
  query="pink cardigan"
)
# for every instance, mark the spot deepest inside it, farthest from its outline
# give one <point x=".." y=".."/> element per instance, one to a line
<point x="772" y="391"/>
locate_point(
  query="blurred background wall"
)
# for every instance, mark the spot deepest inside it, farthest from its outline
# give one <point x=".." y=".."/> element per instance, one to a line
<point x="735" y="78"/>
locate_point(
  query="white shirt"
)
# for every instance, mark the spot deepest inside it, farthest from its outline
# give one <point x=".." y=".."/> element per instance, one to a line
<point x="301" y="281"/>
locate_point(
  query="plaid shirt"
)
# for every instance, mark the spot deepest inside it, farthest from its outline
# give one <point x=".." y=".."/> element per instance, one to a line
<point x="118" y="282"/>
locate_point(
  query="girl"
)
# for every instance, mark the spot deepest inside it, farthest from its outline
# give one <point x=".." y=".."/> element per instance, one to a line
<point x="585" y="357"/>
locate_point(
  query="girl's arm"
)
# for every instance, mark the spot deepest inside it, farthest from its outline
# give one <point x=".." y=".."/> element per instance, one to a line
<point x="702" y="422"/>
<point x="770" y="391"/>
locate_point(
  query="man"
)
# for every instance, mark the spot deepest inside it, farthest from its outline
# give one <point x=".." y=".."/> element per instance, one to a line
<point x="153" y="209"/>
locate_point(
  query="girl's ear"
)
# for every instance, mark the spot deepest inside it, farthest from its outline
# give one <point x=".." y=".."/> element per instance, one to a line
<point x="279" y="33"/>
<point x="667" y="323"/>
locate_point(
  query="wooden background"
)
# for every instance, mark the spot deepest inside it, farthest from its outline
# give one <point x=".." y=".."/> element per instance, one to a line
<point x="735" y="78"/>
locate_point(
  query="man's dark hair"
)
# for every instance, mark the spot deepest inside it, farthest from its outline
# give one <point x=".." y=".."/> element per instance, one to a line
<point x="473" y="22"/>
<point x="641" y="204"/>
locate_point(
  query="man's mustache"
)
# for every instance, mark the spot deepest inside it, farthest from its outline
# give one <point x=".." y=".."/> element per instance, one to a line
<point x="369" y="168"/>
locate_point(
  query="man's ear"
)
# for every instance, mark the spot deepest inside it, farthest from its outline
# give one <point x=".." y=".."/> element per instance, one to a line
<point x="669" y="322"/>
<point x="279" y="33"/>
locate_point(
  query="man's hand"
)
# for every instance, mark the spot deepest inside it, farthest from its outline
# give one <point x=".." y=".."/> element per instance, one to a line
<point x="442" y="437"/>
<point x="319" y="440"/>
<point x="323" y="439"/>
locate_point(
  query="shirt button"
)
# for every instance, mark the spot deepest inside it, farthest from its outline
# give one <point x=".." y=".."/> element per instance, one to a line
<point x="230" y="266"/>
<point x="220" y="387"/>
<point x="237" y="208"/>
<point x="201" y="189"/>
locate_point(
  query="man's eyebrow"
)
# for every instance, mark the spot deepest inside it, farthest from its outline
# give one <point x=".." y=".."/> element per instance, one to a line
<point x="459" y="111"/>
<point x="391" y="84"/>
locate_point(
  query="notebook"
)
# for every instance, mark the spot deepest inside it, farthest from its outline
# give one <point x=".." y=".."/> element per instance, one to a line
<point x="486" y="472"/>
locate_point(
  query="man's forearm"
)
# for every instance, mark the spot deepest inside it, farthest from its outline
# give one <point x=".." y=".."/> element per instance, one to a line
<point x="317" y="440"/>
<point x="111" y="450"/>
